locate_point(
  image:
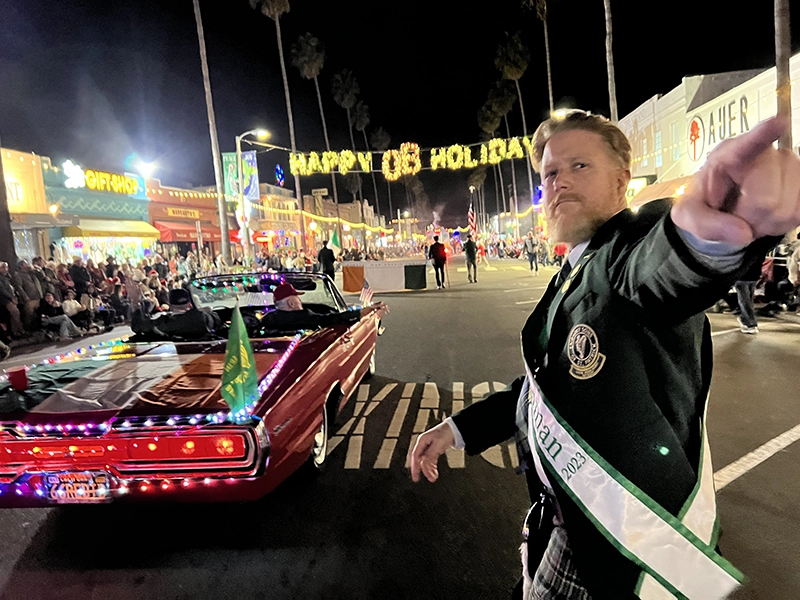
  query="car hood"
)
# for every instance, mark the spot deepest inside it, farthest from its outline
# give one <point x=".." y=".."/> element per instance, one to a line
<point x="136" y="379"/>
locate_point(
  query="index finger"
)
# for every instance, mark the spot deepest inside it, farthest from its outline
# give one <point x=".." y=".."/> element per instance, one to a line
<point x="741" y="151"/>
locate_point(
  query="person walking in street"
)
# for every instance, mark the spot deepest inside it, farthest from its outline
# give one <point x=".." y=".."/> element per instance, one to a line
<point x="438" y="257"/>
<point x="327" y="260"/>
<point x="471" y="253"/>
<point x="532" y="249"/>
<point x="610" y="424"/>
<point x="745" y="291"/>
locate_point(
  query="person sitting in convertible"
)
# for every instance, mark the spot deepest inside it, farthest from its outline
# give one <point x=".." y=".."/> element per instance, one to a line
<point x="291" y="315"/>
<point x="183" y="320"/>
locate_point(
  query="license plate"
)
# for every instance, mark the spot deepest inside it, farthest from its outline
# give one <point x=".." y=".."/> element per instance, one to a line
<point x="77" y="488"/>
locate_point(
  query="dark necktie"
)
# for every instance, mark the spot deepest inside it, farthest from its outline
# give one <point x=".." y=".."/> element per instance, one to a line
<point x="563" y="273"/>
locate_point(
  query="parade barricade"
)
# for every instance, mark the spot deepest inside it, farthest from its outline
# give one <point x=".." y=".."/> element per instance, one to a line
<point x="384" y="276"/>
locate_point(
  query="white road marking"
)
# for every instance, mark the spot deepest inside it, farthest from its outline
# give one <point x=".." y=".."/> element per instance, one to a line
<point x="751" y="460"/>
<point x="455" y="458"/>
<point x="723" y="332"/>
<point x="333" y="442"/>
<point x="357" y="408"/>
<point x="372" y="406"/>
<point x="408" y="390"/>
<point x="363" y="392"/>
<point x="430" y="396"/>
<point x="353" y="458"/>
<point x="494" y="455"/>
<point x="346" y="427"/>
<point x="385" y="454"/>
<point x="384" y="392"/>
<point x="458" y="405"/>
<point x="411" y="445"/>
<point x="480" y="390"/>
<point x="512" y="455"/>
<point x="498" y="387"/>
<point x="526" y="289"/>
<point x="422" y="420"/>
<point x="458" y="391"/>
<point x="359" y="430"/>
<point x="399" y="416"/>
<point x="527" y="302"/>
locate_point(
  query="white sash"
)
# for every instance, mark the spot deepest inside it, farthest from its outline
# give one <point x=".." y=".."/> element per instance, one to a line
<point x="677" y="556"/>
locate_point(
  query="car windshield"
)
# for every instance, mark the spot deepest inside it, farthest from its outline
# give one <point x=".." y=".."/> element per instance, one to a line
<point x="255" y="290"/>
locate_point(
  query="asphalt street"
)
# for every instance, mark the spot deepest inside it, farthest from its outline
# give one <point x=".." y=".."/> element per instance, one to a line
<point x="363" y="530"/>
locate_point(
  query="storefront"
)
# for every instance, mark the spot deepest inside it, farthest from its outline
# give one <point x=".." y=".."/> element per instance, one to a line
<point x="31" y="217"/>
<point x="111" y="211"/>
<point x="671" y="135"/>
<point x="185" y="219"/>
<point x="275" y="220"/>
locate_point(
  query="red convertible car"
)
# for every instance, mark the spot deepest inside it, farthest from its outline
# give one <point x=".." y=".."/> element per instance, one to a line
<point x="144" y="418"/>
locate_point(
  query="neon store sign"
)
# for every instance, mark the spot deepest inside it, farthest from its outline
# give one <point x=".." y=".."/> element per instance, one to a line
<point x="100" y="181"/>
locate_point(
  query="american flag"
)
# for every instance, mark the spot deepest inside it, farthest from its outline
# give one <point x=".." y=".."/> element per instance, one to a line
<point x="366" y="294"/>
<point x="471" y="218"/>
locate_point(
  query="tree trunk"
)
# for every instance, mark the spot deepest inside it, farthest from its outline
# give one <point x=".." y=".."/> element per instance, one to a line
<point x="222" y="205"/>
<point x="328" y="148"/>
<point x="502" y="186"/>
<point x="7" y="251"/>
<point x="549" y="75"/>
<point x="783" y="51"/>
<point x="297" y="191"/>
<point x="513" y="168"/>
<point x="389" y="191"/>
<point x="353" y="144"/>
<point x="497" y="191"/>
<point x="612" y="86"/>
<point x="374" y="183"/>
<point x="525" y="132"/>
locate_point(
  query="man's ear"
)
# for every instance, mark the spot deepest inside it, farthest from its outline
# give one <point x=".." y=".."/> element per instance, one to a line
<point x="623" y="179"/>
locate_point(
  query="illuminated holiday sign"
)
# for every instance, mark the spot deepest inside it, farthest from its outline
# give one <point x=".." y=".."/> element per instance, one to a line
<point x="409" y="159"/>
<point x="101" y="181"/>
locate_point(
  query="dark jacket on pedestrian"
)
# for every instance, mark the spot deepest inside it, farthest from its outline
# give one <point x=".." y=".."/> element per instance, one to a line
<point x="162" y="269"/>
<point x="437" y="253"/>
<point x="48" y="310"/>
<point x="471" y="250"/>
<point x="635" y="307"/>
<point x="326" y="258"/>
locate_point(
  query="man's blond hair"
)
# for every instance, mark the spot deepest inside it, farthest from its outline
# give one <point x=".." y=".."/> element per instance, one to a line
<point x="617" y="143"/>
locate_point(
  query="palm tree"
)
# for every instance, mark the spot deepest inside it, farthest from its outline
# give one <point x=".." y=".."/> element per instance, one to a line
<point x="222" y="206"/>
<point x="540" y="6"/>
<point x="502" y="98"/>
<point x="275" y="9"/>
<point x="308" y="55"/>
<point x="380" y="140"/>
<point x="345" y="90"/>
<point x="477" y="178"/>
<point x="512" y="61"/>
<point x="612" y="86"/>
<point x="361" y="118"/>
<point x="783" y="51"/>
<point x="489" y="122"/>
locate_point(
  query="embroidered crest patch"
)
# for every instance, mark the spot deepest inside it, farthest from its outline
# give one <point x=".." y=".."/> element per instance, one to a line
<point x="583" y="351"/>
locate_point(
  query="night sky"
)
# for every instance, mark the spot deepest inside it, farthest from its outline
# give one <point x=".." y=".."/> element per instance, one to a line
<point x="100" y="82"/>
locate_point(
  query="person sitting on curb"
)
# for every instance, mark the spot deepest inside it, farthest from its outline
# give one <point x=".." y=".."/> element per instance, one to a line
<point x="53" y="317"/>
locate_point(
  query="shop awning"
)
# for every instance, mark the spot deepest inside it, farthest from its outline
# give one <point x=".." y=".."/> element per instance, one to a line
<point x="111" y="228"/>
<point x="656" y="191"/>
<point x="186" y="232"/>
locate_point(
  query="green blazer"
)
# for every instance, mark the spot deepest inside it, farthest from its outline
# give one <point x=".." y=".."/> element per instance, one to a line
<point x="642" y="296"/>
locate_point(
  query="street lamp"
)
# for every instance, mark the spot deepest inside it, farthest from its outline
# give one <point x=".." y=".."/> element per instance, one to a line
<point x="244" y="203"/>
<point x="146" y="169"/>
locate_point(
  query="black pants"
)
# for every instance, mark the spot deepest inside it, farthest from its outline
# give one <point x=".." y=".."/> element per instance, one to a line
<point x="472" y="270"/>
<point x="439" y="268"/>
<point x="331" y="274"/>
<point x="532" y="261"/>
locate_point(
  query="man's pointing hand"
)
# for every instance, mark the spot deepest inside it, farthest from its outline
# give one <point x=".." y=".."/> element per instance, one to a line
<point x="746" y="190"/>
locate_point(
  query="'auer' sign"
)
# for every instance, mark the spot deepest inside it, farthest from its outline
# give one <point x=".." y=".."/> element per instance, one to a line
<point x="725" y="120"/>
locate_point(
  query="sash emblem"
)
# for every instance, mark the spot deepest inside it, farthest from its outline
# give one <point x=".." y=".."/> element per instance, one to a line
<point x="583" y="351"/>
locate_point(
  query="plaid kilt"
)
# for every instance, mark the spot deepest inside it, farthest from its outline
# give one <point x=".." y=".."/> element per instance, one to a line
<point x="556" y="578"/>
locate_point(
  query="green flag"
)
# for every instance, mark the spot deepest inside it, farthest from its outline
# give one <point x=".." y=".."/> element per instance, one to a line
<point x="335" y="245"/>
<point x="239" y="378"/>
